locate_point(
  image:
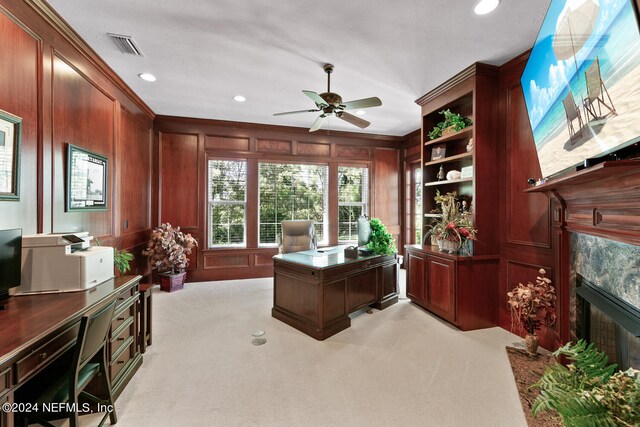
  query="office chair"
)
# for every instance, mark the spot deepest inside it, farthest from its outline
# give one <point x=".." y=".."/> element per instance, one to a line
<point x="297" y="236"/>
<point x="88" y="361"/>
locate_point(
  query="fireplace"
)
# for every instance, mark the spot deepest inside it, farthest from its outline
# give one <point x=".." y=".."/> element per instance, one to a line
<point x="609" y="322"/>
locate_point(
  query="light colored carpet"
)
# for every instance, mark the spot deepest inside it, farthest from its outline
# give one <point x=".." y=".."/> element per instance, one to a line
<point x="396" y="367"/>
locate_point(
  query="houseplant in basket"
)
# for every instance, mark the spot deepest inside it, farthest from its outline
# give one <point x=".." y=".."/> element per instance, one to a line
<point x="167" y="251"/>
<point x="452" y="123"/>
<point x="453" y="230"/>
<point x="532" y="307"/>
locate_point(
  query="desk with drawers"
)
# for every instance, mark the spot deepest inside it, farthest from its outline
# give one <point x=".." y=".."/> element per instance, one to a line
<point x="36" y="329"/>
<point x="315" y="291"/>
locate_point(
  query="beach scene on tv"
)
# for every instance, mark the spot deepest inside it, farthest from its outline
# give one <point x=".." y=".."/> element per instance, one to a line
<point x="582" y="81"/>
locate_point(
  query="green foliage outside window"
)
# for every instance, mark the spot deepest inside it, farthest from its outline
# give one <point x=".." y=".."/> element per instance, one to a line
<point x="227" y="195"/>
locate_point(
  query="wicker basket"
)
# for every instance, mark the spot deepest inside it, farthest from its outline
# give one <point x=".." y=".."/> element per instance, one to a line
<point x="448" y="131"/>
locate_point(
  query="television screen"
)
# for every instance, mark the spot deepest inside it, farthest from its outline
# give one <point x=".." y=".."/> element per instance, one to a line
<point x="10" y="258"/>
<point x="582" y="82"/>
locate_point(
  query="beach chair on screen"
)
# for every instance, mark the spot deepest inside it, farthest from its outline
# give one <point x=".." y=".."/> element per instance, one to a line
<point x="572" y="113"/>
<point x="596" y="91"/>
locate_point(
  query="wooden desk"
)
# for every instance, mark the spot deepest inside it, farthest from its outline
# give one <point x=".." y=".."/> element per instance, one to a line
<point x="315" y="292"/>
<point x="36" y="329"/>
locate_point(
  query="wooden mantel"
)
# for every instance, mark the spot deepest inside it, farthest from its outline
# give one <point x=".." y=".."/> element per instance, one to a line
<point x="602" y="200"/>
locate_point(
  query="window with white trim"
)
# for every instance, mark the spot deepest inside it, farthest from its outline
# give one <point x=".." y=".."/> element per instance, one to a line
<point x="227" y="202"/>
<point x="353" y="200"/>
<point x="292" y="191"/>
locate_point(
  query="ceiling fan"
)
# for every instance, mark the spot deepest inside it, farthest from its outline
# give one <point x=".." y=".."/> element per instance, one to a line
<point x="330" y="103"/>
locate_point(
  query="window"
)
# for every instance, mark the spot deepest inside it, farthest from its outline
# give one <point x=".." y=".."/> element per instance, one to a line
<point x="292" y="191"/>
<point x="417" y="176"/>
<point x="227" y="202"/>
<point x="353" y="200"/>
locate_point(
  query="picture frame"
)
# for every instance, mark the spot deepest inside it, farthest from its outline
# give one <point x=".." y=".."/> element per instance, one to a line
<point x="438" y="152"/>
<point x="10" y="146"/>
<point x="466" y="172"/>
<point x="87" y="183"/>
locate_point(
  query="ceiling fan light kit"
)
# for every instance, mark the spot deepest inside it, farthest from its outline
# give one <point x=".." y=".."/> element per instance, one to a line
<point x="330" y="103"/>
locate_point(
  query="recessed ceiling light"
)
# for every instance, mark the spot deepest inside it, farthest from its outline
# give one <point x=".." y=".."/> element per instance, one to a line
<point x="361" y="112"/>
<point x="147" y="77"/>
<point x="239" y="98"/>
<point x="486" y="6"/>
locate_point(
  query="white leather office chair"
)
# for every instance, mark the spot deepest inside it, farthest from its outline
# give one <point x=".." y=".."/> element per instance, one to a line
<point x="297" y="235"/>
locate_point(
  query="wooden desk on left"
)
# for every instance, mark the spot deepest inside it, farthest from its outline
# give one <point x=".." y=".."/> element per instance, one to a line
<point x="36" y="329"/>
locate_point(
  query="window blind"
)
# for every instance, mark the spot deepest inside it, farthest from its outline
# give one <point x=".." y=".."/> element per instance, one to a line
<point x="353" y="200"/>
<point x="292" y="191"/>
<point x="227" y="202"/>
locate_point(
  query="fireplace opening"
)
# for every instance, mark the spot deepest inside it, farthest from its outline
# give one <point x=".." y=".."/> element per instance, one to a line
<point x="610" y="323"/>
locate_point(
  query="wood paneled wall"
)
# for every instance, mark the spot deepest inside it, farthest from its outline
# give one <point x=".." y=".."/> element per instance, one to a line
<point x="526" y="240"/>
<point x="184" y="145"/>
<point x="64" y="94"/>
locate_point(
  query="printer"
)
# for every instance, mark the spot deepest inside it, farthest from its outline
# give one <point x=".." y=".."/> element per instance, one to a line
<point x="63" y="263"/>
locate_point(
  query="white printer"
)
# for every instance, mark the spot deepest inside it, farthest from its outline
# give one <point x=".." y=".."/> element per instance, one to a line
<point x="63" y="263"/>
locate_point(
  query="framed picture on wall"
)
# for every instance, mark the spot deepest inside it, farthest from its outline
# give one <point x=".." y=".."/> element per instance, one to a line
<point x="86" y="180"/>
<point x="10" y="139"/>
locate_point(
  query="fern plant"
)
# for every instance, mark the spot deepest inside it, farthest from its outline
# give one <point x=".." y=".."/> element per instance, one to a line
<point x="381" y="241"/>
<point x="589" y="391"/>
<point x="454" y="120"/>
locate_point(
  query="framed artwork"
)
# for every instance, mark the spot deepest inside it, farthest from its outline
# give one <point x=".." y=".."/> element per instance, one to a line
<point x="10" y="140"/>
<point x="86" y="180"/>
<point x="438" y="152"/>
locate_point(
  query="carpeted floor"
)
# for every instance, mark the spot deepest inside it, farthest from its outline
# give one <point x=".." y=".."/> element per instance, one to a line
<point x="396" y="367"/>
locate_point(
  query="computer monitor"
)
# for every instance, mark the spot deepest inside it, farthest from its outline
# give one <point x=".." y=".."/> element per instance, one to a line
<point x="10" y="260"/>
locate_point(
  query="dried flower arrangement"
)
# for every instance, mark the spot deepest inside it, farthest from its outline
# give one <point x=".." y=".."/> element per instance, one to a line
<point x="168" y="249"/>
<point x="453" y="226"/>
<point x="533" y="305"/>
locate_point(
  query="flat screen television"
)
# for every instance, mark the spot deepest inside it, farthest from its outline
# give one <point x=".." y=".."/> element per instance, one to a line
<point x="582" y="82"/>
<point x="10" y="259"/>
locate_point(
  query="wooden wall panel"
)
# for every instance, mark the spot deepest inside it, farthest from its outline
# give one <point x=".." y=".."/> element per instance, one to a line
<point x="134" y="167"/>
<point x="525" y="221"/>
<point x="270" y="146"/>
<point x="386" y="194"/>
<point x="226" y="144"/>
<point x="179" y="179"/>
<point x="20" y="53"/>
<point x="306" y="149"/>
<point x="83" y="115"/>
<point x="346" y="151"/>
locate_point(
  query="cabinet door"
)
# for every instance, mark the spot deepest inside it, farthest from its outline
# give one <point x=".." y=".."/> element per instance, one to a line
<point x="416" y="285"/>
<point x="441" y="293"/>
<point x="361" y="289"/>
<point x="389" y="281"/>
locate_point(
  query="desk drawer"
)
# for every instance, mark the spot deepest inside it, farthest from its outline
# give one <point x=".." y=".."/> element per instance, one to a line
<point x="123" y="314"/>
<point x="118" y="363"/>
<point x="5" y="381"/>
<point x="46" y="353"/>
<point x="120" y="336"/>
<point x="124" y="296"/>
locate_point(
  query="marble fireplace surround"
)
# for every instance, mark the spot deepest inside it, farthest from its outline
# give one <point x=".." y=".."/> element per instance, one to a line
<point x="595" y="218"/>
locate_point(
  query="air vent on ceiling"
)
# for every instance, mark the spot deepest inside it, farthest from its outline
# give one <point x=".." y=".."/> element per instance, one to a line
<point x="126" y="44"/>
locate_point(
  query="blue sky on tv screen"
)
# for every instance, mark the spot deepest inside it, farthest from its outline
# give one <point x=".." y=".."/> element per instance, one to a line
<point x="546" y="79"/>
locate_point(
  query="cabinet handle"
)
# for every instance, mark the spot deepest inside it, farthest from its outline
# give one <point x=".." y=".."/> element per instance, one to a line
<point x="120" y="339"/>
<point x="120" y="319"/>
<point x="43" y="355"/>
<point x="120" y="362"/>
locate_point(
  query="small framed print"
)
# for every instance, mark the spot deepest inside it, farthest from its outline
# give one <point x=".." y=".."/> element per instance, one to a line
<point x="466" y="172"/>
<point x="10" y="138"/>
<point x="86" y="180"/>
<point x="438" y="152"/>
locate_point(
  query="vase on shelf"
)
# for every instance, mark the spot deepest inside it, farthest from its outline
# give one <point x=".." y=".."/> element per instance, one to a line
<point x="447" y="246"/>
<point x="531" y="342"/>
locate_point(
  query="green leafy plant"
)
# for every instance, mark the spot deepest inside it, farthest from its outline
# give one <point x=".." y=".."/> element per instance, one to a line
<point x="381" y="241"/>
<point x="589" y="391"/>
<point x="453" y="120"/>
<point x="121" y="259"/>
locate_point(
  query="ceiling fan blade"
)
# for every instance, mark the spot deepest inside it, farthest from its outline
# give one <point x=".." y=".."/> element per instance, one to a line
<point x="318" y="123"/>
<point x="316" y="98"/>
<point x="362" y="103"/>
<point x="295" y="112"/>
<point x="354" y="120"/>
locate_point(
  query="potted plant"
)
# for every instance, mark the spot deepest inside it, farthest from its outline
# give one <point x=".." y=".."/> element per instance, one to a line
<point x="381" y="242"/>
<point x="452" y="123"/>
<point x="453" y="230"/>
<point x="167" y="251"/>
<point x="121" y="259"/>
<point x="532" y="307"/>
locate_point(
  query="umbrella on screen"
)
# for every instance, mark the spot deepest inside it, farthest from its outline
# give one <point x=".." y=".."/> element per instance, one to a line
<point x="575" y="25"/>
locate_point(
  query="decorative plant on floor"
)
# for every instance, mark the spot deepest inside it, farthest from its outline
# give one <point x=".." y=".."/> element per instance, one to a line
<point x="452" y="121"/>
<point x="381" y="242"/>
<point x="453" y="229"/>
<point x="532" y="306"/>
<point x="167" y="251"/>
<point x="588" y="392"/>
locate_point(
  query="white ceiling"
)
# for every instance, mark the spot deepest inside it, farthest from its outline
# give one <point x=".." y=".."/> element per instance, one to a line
<point x="204" y="52"/>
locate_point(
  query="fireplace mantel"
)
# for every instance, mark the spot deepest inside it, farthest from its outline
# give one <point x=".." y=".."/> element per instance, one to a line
<point x="602" y="200"/>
